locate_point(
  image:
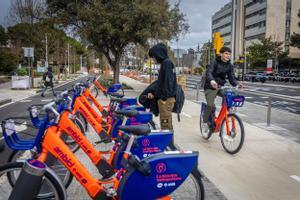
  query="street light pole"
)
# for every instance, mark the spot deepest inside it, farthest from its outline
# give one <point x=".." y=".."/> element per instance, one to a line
<point x="233" y="31"/>
<point x="68" y="60"/>
<point x="245" y="60"/>
<point x="46" y="61"/>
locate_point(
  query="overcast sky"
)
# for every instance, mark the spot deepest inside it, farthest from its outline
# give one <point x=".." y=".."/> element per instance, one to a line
<point x="198" y="13"/>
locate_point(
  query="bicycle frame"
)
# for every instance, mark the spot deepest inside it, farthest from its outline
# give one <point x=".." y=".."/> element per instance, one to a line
<point x="223" y="115"/>
<point x="54" y="145"/>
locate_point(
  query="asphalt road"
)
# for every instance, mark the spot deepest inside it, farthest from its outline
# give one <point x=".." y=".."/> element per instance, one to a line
<point x="19" y="109"/>
<point x="283" y="96"/>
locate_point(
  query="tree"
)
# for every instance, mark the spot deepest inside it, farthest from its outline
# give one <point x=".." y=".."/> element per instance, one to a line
<point x="27" y="11"/>
<point x="8" y="61"/>
<point x="295" y="40"/>
<point x="259" y="53"/>
<point x="3" y="36"/>
<point x="109" y="26"/>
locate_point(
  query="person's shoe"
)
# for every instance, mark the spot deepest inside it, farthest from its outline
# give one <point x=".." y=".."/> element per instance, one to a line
<point x="42" y="95"/>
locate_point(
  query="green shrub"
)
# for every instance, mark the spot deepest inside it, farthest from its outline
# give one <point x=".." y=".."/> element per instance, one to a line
<point x="21" y="72"/>
<point x="8" y="61"/>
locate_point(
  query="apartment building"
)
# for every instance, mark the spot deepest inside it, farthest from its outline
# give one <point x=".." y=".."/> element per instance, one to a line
<point x="257" y="19"/>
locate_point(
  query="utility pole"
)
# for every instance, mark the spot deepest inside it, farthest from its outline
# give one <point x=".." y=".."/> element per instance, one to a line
<point x="233" y="30"/>
<point x="68" y="60"/>
<point x="81" y="63"/>
<point x="46" y="61"/>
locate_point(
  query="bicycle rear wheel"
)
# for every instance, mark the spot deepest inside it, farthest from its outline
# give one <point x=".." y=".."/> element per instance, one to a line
<point x="191" y="189"/>
<point x="232" y="142"/>
<point x="49" y="183"/>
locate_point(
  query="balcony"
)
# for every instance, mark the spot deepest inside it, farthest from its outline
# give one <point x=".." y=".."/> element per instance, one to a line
<point x="256" y="7"/>
<point x="255" y="19"/>
<point x="221" y="23"/>
<point x="254" y="31"/>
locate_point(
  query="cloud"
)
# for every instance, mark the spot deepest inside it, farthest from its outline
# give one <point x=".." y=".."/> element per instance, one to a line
<point x="198" y="14"/>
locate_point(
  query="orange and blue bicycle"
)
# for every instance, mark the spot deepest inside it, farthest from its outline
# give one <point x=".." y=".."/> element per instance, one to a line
<point x="227" y="123"/>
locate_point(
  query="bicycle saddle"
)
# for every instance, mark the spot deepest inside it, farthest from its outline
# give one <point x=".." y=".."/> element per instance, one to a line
<point x="127" y="113"/>
<point x="116" y="94"/>
<point x="120" y="100"/>
<point x="142" y="129"/>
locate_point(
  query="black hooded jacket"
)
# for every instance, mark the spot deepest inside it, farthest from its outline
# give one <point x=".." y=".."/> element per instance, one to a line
<point x="219" y="71"/>
<point x="166" y="82"/>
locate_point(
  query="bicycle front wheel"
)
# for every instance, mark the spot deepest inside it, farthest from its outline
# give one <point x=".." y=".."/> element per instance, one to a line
<point x="191" y="189"/>
<point x="49" y="182"/>
<point x="232" y="141"/>
<point x="22" y="155"/>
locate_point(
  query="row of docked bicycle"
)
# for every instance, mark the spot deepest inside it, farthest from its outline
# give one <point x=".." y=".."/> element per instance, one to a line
<point x="140" y="163"/>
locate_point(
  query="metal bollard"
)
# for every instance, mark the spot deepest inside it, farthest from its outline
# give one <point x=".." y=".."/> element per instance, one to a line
<point x="269" y="111"/>
<point x="197" y="92"/>
<point x="29" y="181"/>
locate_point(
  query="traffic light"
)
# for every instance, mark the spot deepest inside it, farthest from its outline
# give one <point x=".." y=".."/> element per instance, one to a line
<point x="218" y="42"/>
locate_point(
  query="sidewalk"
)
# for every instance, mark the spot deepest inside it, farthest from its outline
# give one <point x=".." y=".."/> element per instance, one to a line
<point x="267" y="167"/>
<point x="8" y="95"/>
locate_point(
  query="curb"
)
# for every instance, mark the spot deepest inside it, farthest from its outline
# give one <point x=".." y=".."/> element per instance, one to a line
<point x="5" y="101"/>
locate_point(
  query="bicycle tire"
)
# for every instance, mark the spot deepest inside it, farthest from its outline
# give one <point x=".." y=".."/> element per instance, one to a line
<point x="204" y="128"/>
<point x="57" y="167"/>
<point x="94" y="91"/>
<point x="69" y="140"/>
<point x="16" y="167"/>
<point x="224" y="136"/>
<point x="152" y="125"/>
<point x="83" y="120"/>
<point x="186" y="191"/>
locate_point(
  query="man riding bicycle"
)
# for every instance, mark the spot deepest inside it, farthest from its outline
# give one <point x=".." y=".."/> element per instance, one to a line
<point x="215" y="77"/>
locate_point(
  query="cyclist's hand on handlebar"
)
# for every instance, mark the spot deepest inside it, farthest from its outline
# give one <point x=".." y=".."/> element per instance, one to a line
<point x="214" y="84"/>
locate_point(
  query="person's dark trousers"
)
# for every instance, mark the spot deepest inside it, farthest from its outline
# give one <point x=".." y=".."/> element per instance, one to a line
<point x="210" y="96"/>
<point x="44" y="90"/>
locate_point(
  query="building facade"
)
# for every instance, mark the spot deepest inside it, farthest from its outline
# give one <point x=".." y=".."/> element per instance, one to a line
<point x="257" y="19"/>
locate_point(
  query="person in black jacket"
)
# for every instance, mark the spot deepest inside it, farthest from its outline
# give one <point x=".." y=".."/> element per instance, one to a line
<point x="166" y="85"/>
<point x="215" y="77"/>
<point x="48" y="81"/>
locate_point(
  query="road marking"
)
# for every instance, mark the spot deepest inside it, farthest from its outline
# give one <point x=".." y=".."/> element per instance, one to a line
<point x="264" y="97"/>
<point x="46" y="100"/>
<point x="249" y="97"/>
<point x="297" y="178"/>
<point x="189" y="116"/>
<point x="26" y="100"/>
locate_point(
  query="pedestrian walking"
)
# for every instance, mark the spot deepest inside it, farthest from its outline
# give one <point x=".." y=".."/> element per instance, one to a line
<point x="48" y="82"/>
<point x="165" y="91"/>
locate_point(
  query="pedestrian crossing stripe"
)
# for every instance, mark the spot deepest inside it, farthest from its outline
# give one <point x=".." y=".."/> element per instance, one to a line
<point x="26" y="100"/>
<point x="46" y="100"/>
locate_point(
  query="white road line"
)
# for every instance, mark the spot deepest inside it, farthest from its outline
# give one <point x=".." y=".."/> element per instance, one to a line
<point x="297" y="178"/>
<point x="46" y="100"/>
<point x="26" y="100"/>
<point x="249" y="97"/>
<point x="187" y="115"/>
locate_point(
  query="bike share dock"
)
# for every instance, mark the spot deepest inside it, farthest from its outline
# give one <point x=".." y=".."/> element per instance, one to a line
<point x="266" y="167"/>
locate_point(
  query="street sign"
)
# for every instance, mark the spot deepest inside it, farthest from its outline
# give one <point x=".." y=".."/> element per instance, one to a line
<point x="28" y="52"/>
<point x="269" y="65"/>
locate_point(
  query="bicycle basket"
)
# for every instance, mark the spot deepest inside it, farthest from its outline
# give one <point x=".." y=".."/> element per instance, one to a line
<point x="235" y="101"/>
<point x="18" y="134"/>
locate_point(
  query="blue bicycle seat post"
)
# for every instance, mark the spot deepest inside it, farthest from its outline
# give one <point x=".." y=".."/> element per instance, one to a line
<point x="29" y="182"/>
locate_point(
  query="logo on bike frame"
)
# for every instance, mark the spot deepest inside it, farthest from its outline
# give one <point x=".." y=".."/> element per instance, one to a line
<point x="146" y="142"/>
<point x="161" y="167"/>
